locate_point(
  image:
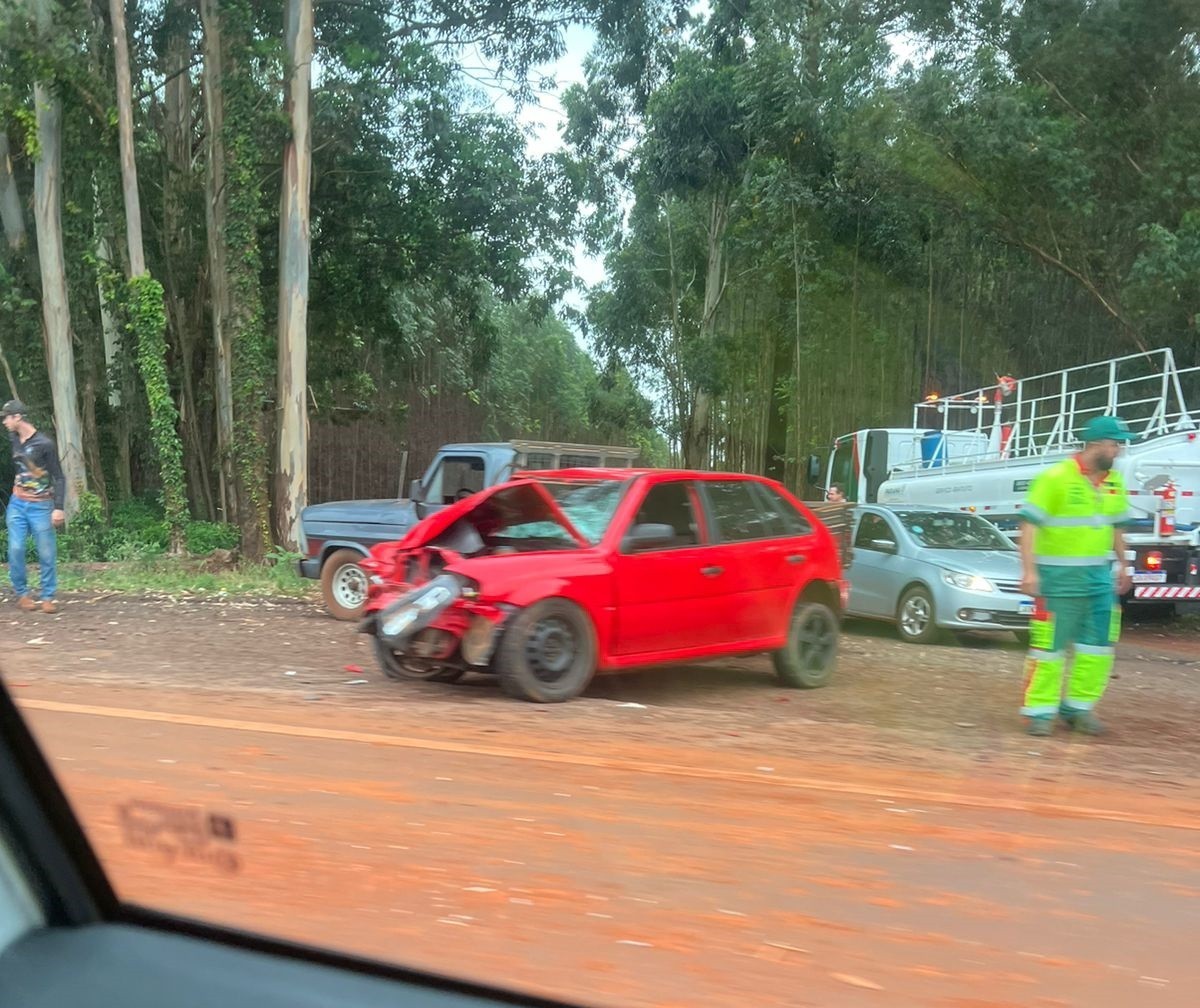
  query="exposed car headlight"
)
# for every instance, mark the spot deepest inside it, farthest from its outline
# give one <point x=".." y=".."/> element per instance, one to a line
<point x="420" y="606"/>
<point x="395" y="624"/>
<point x="969" y="582"/>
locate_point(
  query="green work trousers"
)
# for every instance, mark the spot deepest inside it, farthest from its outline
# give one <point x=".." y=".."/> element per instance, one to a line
<point x="1088" y="626"/>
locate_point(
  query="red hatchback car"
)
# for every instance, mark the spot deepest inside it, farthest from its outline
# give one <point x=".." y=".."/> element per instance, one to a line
<point x="554" y="576"/>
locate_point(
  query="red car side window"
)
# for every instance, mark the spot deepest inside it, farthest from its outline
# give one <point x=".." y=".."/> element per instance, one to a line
<point x="671" y="504"/>
<point x="737" y="512"/>
<point x="780" y="516"/>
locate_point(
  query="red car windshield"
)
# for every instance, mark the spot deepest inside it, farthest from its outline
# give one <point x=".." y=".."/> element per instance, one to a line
<point x="588" y="505"/>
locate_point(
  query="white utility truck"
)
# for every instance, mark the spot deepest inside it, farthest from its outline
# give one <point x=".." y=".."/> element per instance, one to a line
<point x="979" y="451"/>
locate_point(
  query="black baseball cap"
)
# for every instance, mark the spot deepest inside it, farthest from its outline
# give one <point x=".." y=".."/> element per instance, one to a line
<point x="13" y="407"/>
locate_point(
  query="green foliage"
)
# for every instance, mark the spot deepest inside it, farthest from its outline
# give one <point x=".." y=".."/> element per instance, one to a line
<point x="246" y="144"/>
<point x="1022" y="196"/>
<point x="134" y="531"/>
<point x="541" y="383"/>
<point x="147" y="324"/>
<point x="204" y="537"/>
<point x="84" y="537"/>
<point x="181" y="579"/>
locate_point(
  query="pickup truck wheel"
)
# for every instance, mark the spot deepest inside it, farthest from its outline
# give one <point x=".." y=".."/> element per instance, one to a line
<point x="344" y="584"/>
<point x="548" y="653"/>
<point x="809" y="657"/>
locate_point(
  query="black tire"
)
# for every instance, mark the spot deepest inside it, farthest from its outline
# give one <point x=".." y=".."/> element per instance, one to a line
<point x="809" y="658"/>
<point x="916" y="619"/>
<point x="343" y="583"/>
<point x="1022" y="638"/>
<point x="394" y="667"/>
<point x="548" y="652"/>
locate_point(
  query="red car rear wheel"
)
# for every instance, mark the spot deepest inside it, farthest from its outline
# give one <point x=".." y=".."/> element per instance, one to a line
<point x="808" y="659"/>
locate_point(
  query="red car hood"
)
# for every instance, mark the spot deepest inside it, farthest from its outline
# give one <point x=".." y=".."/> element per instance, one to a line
<point x="493" y="508"/>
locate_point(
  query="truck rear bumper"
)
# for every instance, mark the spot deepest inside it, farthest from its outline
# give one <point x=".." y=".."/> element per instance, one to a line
<point x="1166" y="593"/>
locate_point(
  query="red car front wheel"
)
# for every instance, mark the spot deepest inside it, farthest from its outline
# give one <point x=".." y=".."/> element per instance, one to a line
<point x="548" y="653"/>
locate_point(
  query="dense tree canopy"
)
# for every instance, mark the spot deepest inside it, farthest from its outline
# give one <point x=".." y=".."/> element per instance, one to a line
<point x="811" y="212"/>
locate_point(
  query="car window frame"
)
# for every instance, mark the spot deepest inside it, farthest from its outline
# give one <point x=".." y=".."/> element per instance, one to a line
<point x="438" y="476"/>
<point x="703" y="525"/>
<point x="717" y="536"/>
<point x="856" y="544"/>
<point x="763" y="491"/>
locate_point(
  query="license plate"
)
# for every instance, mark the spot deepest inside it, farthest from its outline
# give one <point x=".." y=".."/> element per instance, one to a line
<point x="1025" y="609"/>
<point x="1150" y="577"/>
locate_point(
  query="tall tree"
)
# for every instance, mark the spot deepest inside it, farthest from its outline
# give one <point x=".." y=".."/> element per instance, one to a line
<point x="56" y="302"/>
<point x="12" y="217"/>
<point x="147" y="313"/>
<point x="216" y="214"/>
<point x="236" y="126"/>
<point x="291" y="474"/>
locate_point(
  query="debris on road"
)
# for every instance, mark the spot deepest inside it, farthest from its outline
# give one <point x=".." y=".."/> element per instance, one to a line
<point x="856" y="981"/>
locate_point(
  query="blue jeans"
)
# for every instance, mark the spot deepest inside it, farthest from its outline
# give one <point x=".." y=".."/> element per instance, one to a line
<point x="26" y="518"/>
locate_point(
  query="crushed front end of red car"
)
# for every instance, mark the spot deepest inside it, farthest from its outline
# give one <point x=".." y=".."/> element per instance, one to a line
<point x="428" y="621"/>
<point x="424" y="622"/>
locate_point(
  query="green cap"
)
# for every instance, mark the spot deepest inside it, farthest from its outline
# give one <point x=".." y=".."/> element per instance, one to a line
<point x="1107" y="428"/>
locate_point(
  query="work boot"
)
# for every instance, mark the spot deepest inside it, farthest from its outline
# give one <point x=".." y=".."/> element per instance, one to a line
<point x="1041" y="726"/>
<point x="26" y="602"/>
<point x="49" y="606"/>
<point x="1082" y="721"/>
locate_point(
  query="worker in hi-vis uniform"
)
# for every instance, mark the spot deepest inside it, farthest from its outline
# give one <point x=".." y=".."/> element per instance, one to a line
<point x="1073" y="564"/>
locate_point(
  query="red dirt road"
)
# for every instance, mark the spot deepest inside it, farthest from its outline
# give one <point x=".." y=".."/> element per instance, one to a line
<point x="688" y="837"/>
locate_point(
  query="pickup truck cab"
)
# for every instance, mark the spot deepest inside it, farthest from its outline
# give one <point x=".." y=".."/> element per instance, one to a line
<point x="337" y="535"/>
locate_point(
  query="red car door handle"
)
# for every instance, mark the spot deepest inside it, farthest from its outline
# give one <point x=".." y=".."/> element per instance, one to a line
<point x="712" y="571"/>
<point x="796" y="558"/>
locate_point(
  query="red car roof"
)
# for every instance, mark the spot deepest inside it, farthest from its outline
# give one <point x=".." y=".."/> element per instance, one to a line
<point x="624" y="474"/>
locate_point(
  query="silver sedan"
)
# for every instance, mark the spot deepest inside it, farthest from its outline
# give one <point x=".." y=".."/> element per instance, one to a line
<point x="928" y="570"/>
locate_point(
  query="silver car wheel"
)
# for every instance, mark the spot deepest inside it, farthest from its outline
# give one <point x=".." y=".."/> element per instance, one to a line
<point x="915" y="616"/>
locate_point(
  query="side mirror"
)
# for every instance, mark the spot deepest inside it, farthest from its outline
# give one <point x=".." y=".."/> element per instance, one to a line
<point x="814" y="470"/>
<point x="649" y="536"/>
<point x="416" y="491"/>
<point x="883" y="545"/>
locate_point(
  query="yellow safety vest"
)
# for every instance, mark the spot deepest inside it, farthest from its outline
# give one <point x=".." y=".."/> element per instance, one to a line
<point x="1075" y="517"/>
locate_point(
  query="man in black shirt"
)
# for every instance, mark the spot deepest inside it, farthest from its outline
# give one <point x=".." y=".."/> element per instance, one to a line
<point x="35" y="508"/>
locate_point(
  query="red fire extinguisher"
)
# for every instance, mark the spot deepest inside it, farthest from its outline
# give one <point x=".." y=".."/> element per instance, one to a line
<point x="1166" y="510"/>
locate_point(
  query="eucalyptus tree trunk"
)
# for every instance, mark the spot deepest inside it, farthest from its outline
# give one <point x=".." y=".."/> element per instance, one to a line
<point x="234" y="189"/>
<point x="697" y="441"/>
<point x="12" y="218"/>
<point x="183" y="277"/>
<point x="291" y="473"/>
<point x="56" y="306"/>
<point x="216" y="211"/>
<point x="147" y="310"/>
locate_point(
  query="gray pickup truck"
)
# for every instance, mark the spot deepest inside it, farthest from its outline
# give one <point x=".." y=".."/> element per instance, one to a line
<point x="337" y="535"/>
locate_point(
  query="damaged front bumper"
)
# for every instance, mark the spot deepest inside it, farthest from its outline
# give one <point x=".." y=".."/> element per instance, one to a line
<point x="442" y="620"/>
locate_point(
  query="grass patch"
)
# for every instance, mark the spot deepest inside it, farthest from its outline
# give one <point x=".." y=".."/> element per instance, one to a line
<point x="168" y="576"/>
